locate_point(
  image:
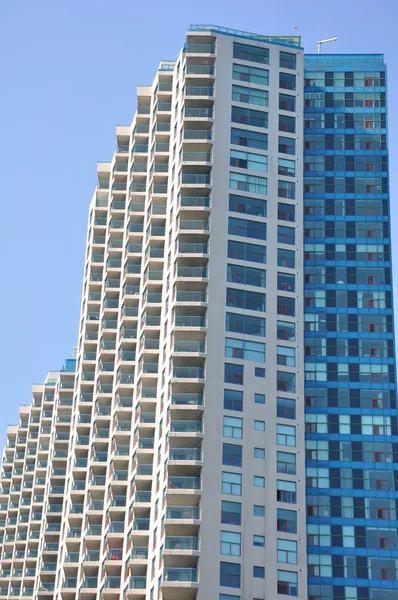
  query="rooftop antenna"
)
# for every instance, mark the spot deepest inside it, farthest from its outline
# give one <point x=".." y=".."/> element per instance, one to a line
<point x="319" y="44"/>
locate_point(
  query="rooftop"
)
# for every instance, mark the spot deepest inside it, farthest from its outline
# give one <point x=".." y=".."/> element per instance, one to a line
<point x="284" y="40"/>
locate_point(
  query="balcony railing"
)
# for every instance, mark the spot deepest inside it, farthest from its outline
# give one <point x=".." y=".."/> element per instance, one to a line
<point x="188" y="483"/>
<point x="187" y="399"/>
<point x="200" y="272"/>
<point x="180" y="575"/>
<point x="181" y="454"/>
<point x="187" y="346"/>
<point x="183" y="296"/>
<point x="196" y="179"/>
<point x="183" y="512"/>
<point x="186" y="426"/>
<point x="188" y="321"/>
<point x="188" y="373"/>
<point x="186" y="248"/>
<point x="200" y="201"/>
<point x="181" y="543"/>
<point x="200" y="48"/>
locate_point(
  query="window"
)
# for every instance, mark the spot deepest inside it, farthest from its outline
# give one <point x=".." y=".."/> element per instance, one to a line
<point x="230" y="574"/>
<point x="247" y="252"/>
<point x="230" y="543"/>
<point x="231" y="512"/>
<point x="287" y="124"/>
<point x="248" y="183"/>
<point x="286" y="282"/>
<point x="286" y="331"/>
<point x="258" y="510"/>
<point x="240" y="323"/>
<point x="287" y="60"/>
<point x="288" y="583"/>
<point x="286" y="212"/>
<point x="285" y="382"/>
<point x="286" y="408"/>
<point x="287" y="551"/>
<point x="259" y="540"/>
<point x="286" y="435"/>
<point x="287" y="520"/>
<point x="287" y="81"/>
<point x="246" y="276"/>
<point x="233" y="427"/>
<point x="231" y="455"/>
<point x="249" y="95"/>
<point x="233" y="374"/>
<point x="247" y="205"/>
<point x="286" y="356"/>
<point x="245" y="299"/>
<point x="247" y="228"/>
<point x="259" y="482"/>
<point x="286" y="463"/>
<point x="231" y="484"/>
<point x="252" y="53"/>
<point x="259" y="572"/>
<point x="287" y="189"/>
<point x="259" y="452"/>
<point x="286" y="491"/>
<point x="233" y="400"/>
<point x="259" y="372"/>
<point x="245" y="350"/>
<point x="286" y="145"/>
<point x="286" y="306"/>
<point x="249" y="116"/>
<point x="286" y="258"/>
<point x="228" y="597"/>
<point x="250" y="74"/>
<point x="287" y="102"/>
<point x="259" y="398"/>
<point x="259" y="425"/>
<point x="249" y="139"/>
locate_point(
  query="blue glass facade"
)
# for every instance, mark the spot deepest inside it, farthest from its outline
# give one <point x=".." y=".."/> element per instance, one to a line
<point x="351" y="416"/>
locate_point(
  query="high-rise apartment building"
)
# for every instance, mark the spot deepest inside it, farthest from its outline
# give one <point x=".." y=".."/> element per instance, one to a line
<point x="229" y="428"/>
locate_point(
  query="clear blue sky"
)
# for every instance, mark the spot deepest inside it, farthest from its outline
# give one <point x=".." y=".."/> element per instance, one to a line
<point x="69" y="69"/>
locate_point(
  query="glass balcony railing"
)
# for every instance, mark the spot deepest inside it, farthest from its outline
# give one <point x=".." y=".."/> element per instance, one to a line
<point x="139" y="553"/>
<point x="195" y="179"/>
<point x="146" y="443"/>
<point x="200" y="69"/>
<point x="198" y="90"/>
<point x="114" y="554"/>
<point x="94" y="530"/>
<point x="183" y="296"/>
<point x="144" y="469"/>
<point x="91" y="556"/>
<point x="137" y="582"/>
<point x="68" y="582"/>
<point x="112" y="582"/>
<point x="72" y="557"/>
<point x="148" y="392"/>
<point x="186" y="248"/>
<point x="186" y="426"/>
<point x="183" y="512"/>
<point x="142" y="496"/>
<point x="187" y="346"/>
<point x="194" y="225"/>
<point x="90" y="582"/>
<point x="181" y="543"/>
<point x="188" y="483"/>
<point x="185" y="454"/>
<point x="188" y="321"/>
<point x="200" y="201"/>
<point x="198" y="113"/>
<point x="200" y="272"/>
<point x="180" y="575"/>
<point x="200" y="48"/>
<point x="188" y="373"/>
<point x="141" y="524"/>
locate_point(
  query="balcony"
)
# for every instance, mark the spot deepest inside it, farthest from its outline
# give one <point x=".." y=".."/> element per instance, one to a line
<point x="188" y="373"/>
<point x="90" y="582"/>
<point x="186" y="513"/>
<point x="200" y="69"/>
<point x="187" y="248"/>
<point x="200" y="49"/>
<point x="185" y="454"/>
<point x="143" y="497"/>
<point x="141" y="524"/>
<point x="186" y="426"/>
<point x="189" y="321"/>
<point x="194" y="225"/>
<point x="181" y="346"/>
<point x="195" y="179"/>
<point x="139" y="553"/>
<point x="184" y="483"/>
<point x="194" y="201"/>
<point x="137" y="582"/>
<point x="112" y="583"/>
<point x="183" y="296"/>
<point x="193" y="272"/>
<point x="199" y="90"/>
<point x="144" y="469"/>
<point x="198" y="113"/>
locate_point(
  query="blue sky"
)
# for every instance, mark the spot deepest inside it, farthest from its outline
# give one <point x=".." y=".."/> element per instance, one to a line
<point x="69" y="72"/>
